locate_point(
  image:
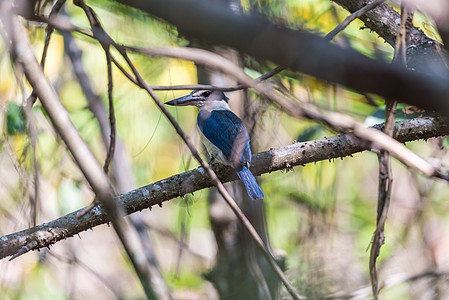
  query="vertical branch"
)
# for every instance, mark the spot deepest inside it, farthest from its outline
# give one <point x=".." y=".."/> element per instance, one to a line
<point x="121" y="171"/>
<point x="111" y="147"/>
<point x="97" y="29"/>
<point x="385" y="173"/>
<point x="54" y="11"/>
<point x="32" y="131"/>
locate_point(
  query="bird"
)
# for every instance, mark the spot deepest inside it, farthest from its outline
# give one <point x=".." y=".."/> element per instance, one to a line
<point x="223" y="134"/>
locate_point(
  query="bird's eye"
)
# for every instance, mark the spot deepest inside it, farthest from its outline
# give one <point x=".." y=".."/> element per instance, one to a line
<point x="207" y="93"/>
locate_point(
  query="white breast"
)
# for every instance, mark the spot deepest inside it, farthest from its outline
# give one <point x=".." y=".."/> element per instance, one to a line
<point x="213" y="150"/>
<point x="215" y="105"/>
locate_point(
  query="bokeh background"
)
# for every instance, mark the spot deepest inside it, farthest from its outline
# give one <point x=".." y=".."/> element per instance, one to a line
<point x="320" y="217"/>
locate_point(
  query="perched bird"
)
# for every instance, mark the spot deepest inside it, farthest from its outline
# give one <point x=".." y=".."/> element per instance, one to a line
<point x="223" y="134"/>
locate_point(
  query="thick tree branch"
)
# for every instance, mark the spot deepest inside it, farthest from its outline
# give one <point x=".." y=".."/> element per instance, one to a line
<point x="156" y="193"/>
<point x="298" y="50"/>
<point x="423" y="53"/>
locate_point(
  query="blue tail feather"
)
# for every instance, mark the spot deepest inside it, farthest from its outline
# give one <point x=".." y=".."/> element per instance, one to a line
<point x="250" y="183"/>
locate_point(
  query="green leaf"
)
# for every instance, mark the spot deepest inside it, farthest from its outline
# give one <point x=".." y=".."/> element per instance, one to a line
<point x="15" y="119"/>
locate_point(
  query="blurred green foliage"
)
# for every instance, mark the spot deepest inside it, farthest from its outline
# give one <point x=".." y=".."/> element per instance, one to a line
<point x="15" y="119"/>
<point x="322" y="215"/>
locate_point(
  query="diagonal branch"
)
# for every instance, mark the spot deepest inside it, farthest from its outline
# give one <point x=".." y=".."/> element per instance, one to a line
<point x="297" y="154"/>
<point x="252" y="33"/>
<point x="357" y="14"/>
<point x="216" y="181"/>
<point x="97" y="178"/>
<point x="105" y="41"/>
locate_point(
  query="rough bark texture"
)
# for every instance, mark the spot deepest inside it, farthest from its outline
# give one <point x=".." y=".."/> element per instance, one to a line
<point x="423" y="53"/>
<point x="287" y="157"/>
<point x="298" y="50"/>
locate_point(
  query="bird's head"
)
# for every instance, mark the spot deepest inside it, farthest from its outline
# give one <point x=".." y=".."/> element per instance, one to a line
<point x="199" y="98"/>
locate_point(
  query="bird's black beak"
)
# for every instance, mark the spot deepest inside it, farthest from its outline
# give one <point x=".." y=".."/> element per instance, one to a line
<point x="186" y="100"/>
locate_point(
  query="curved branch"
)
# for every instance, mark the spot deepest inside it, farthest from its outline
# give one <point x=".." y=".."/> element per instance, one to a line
<point x="216" y="23"/>
<point x="156" y="193"/>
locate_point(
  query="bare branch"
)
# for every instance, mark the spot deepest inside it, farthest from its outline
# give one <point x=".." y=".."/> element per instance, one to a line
<point x="83" y="156"/>
<point x="54" y="11"/>
<point x="423" y="53"/>
<point x="351" y="18"/>
<point x="304" y="52"/>
<point x="251" y="33"/>
<point x="297" y="154"/>
<point x="385" y="172"/>
<point x="96" y="27"/>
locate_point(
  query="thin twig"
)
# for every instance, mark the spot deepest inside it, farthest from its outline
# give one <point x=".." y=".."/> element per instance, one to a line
<point x="340" y="27"/>
<point x="112" y="137"/>
<point x="261" y="78"/>
<point x="385" y="172"/>
<point x="75" y="260"/>
<point x="54" y="11"/>
<point x="32" y="132"/>
<point x="96" y="26"/>
<point x="148" y="274"/>
<point x="216" y="181"/>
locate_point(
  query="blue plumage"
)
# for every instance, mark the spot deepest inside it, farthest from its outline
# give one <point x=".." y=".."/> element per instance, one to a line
<point x="250" y="183"/>
<point x="224" y="135"/>
<point x="226" y="131"/>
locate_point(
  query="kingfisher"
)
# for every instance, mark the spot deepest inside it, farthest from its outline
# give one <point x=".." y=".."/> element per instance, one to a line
<point x="223" y="134"/>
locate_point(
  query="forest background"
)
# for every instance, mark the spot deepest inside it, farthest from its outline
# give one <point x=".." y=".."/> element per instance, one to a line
<point x="324" y="219"/>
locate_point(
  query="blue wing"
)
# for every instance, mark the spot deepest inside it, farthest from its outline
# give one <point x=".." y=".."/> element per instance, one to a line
<point x="226" y="131"/>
